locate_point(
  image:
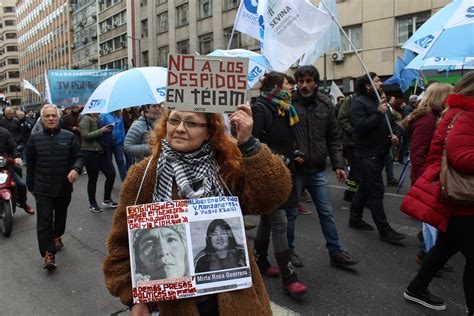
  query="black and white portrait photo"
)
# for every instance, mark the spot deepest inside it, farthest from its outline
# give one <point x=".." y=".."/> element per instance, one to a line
<point x="160" y="253"/>
<point x="221" y="245"/>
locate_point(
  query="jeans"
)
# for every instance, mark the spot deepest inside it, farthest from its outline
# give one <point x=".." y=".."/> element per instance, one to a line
<point x="317" y="186"/>
<point x="291" y="215"/>
<point x="276" y="224"/>
<point x="96" y="162"/>
<point x="117" y="151"/>
<point x="51" y="220"/>
<point x="457" y="238"/>
<point x="370" y="192"/>
<point x="20" y="187"/>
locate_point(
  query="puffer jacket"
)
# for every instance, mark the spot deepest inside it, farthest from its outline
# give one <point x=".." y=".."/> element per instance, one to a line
<point x="51" y="155"/>
<point x="136" y="141"/>
<point x="318" y="133"/>
<point x="263" y="173"/>
<point x="423" y="198"/>
<point x="7" y="144"/>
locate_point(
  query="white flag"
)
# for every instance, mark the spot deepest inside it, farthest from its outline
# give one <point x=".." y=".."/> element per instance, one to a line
<point x="335" y="92"/>
<point x="331" y="39"/>
<point x="246" y="20"/>
<point x="47" y="91"/>
<point x="291" y="27"/>
<point x="28" y="85"/>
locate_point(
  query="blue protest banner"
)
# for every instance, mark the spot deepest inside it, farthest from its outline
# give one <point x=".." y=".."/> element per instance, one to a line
<point x="74" y="87"/>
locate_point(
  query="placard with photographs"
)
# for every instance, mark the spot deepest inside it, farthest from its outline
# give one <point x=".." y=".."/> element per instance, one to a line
<point x="187" y="248"/>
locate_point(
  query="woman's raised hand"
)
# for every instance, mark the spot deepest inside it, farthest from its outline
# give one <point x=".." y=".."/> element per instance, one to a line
<point x="242" y="121"/>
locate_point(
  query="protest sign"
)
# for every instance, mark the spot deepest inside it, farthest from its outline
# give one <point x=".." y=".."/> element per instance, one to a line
<point x="206" y="84"/>
<point x="74" y="87"/>
<point x="187" y="248"/>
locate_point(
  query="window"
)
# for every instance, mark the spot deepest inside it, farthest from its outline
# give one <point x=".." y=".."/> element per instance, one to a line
<point x="355" y="34"/>
<point x="13" y="61"/>
<point x="406" y="26"/>
<point x="182" y="47"/>
<point x="144" y="28"/>
<point x="14" y="88"/>
<point x="145" y="60"/>
<point x="236" y="42"/>
<point x="9" y="22"/>
<point x="205" y="44"/>
<point x="13" y="74"/>
<point x="163" y="56"/>
<point x="230" y="4"/>
<point x="182" y="15"/>
<point x="12" y="48"/>
<point x="205" y="8"/>
<point x="10" y="35"/>
<point x="163" y="22"/>
<point x="8" y="9"/>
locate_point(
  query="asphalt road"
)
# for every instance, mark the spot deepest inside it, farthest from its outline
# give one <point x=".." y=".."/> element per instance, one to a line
<point x="373" y="287"/>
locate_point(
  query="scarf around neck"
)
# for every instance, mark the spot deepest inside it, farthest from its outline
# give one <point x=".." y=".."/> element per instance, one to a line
<point x="282" y="100"/>
<point x="195" y="174"/>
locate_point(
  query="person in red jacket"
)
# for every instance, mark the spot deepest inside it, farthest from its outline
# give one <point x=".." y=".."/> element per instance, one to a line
<point x="460" y="230"/>
<point x="422" y="125"/>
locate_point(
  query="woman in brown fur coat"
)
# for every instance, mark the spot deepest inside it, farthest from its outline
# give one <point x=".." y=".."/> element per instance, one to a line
<point x="184" y="142"/>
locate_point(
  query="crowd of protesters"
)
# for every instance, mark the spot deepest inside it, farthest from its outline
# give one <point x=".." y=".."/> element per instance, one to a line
<point x="365" y="134"/>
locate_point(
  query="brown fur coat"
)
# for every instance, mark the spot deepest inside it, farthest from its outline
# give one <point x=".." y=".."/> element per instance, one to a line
<point x="264" y="185"/>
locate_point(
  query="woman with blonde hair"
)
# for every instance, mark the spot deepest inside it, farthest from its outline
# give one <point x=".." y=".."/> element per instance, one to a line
<point x="193" y="157"/>
<point x="422" y="123"/>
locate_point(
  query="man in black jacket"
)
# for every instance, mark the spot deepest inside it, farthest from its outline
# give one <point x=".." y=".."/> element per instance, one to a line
<point x="54" y="162"/>
<point x="372" y="140"/>
<point x="317" y="136"/>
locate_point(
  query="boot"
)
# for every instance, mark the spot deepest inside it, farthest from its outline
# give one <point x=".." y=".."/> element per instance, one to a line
<point x="261" y="256"/>
<point x="291" y="285"/>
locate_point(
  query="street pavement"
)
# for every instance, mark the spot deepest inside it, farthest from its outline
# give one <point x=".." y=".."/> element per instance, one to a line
<point x="374" y="287"/>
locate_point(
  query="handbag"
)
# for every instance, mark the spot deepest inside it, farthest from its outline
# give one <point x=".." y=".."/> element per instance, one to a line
<point x="456" y="187"/>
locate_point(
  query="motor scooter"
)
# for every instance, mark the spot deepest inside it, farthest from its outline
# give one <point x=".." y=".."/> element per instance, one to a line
<point x="7" y="195"/>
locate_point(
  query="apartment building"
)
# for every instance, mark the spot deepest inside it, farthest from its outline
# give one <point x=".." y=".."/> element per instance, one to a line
<point x="44" y="39"/>
<point x="377" y="28"/>
<point x="9" y="62"/>
<point x="113" y="25"/>
<point x="84" y="34"/>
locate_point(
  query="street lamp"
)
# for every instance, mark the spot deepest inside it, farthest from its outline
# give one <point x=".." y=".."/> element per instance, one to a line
<point x="139" y="50"/>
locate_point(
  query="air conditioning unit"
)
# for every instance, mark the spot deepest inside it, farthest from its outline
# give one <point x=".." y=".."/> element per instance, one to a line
<point x="116" y="24"/>
<point x="124" y="43"/>
<point x="109" y="49"/>
<point x="93" y="59"/>
<point x="84" y="40"/>
<point x="102" y="52"/>
<point x="108" y="27"/>
<point x="73" y="46"/>
<point x="337" y="57"/>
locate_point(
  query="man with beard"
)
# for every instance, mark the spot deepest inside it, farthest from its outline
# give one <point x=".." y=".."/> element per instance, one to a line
<point x="70" y="121"/>
<point x="317" y="135"/>
<point x="372" y="140"/>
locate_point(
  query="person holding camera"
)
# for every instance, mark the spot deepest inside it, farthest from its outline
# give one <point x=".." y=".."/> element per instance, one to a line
<point x="274" y="121"/>
<point x="318" y="135"/>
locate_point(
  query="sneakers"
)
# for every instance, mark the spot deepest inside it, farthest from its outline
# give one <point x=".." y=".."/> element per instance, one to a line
<point x="342" y="259"/>
<point x="271" y="272"/>
<point x="362" y="225"/>
<point x="392" y="182"/>
<point x="49" y="261"/>
<point x="426" y="299"/>
<point x="110" y="203"/>
<point x="58" y="243"/>
<point x="295" y="260"/>
<point x="391" y="236"/>
<point x="28" y="209"/>
<point x="303" y="211"/>
<point x="95" y="209"/>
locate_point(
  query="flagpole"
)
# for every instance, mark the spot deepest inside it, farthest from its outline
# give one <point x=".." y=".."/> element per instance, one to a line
<point x="231" y="36"/>
<point x="360" y="60"/>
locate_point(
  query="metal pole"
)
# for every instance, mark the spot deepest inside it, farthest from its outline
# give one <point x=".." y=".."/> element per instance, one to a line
<point x="360" y="60"/>
<point x="231" y="36"/>
<point x="325" y="81"/>
<point x="139" y="53"/>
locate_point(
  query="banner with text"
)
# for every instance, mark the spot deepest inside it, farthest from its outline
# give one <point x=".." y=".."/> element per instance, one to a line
<point x="206" y="84"/>
<point x="187" y="248"/>
<point x="74" y="87"/>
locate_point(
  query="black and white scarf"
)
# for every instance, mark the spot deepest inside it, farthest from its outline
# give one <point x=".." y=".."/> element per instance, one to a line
<point x="195" y="173"/>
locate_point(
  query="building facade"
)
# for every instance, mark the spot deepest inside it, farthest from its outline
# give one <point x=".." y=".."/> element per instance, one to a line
<point x="9" y="61"/>
<point x="377" y="28"/>
<point x="84" y="45"/>
<point x="44" y="38"/>
<point x="113" y="25"/>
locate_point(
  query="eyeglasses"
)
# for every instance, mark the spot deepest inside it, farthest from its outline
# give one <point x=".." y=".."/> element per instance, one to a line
<point x="218" y="234"/>
<point x="187" y="124"/>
